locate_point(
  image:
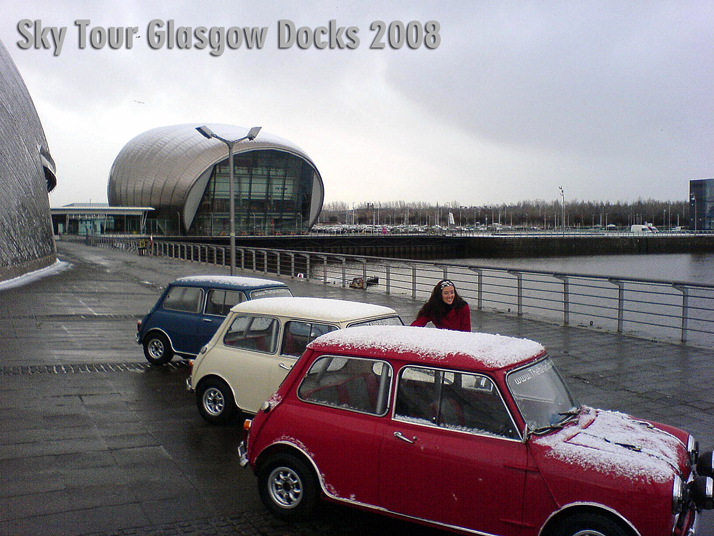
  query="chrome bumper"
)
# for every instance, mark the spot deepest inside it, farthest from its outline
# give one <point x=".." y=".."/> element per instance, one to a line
<point x="243" y="453"/>
<point x="189" y="387"/>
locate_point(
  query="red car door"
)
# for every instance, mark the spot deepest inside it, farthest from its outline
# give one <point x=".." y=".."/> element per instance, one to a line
<point x="341" y="424"/>
<point x="443" y="466"/>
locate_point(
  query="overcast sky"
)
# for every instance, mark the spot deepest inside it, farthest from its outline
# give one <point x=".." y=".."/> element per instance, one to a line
<point x="612" y="100"/>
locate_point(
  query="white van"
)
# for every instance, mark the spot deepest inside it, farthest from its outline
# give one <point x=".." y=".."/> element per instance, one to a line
<point x="646" y="228"/>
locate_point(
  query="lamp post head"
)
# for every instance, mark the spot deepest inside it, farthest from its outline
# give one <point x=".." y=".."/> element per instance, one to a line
<point x="253" y="133"/>
<point x="205" y="132"/>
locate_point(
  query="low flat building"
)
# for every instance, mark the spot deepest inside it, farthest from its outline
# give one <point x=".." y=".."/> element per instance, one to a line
<point x="99" y="219"/>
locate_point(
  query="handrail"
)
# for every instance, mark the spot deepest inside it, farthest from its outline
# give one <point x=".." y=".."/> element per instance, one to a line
<point x="669" y="310"/>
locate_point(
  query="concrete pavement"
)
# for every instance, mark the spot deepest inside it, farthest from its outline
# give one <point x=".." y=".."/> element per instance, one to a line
<point x="96" y="441"/>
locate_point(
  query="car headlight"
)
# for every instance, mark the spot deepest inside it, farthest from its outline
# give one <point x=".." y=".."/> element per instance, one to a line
<point x="679" y="495"/>
<point x="705" y="463"/>
<point x="693" y="449"/>
<point x="701" y="490"/>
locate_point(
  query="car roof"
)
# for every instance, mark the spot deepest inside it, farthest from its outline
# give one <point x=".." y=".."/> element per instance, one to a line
<point x="227" y="282"/>
<point x="324" y="309"/>
<point x="440" y="347"/>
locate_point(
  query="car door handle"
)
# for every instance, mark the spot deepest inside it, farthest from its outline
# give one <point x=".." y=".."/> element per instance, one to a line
<point x="284" y="366"/>
<point x="207" y="320"/>
<point x="401" y="436"/>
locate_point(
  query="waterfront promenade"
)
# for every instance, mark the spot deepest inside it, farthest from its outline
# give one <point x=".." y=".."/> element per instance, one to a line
<point x="96" y="441"/>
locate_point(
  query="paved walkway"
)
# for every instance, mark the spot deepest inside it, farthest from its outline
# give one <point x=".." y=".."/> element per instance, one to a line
<point x="95" y="441"/>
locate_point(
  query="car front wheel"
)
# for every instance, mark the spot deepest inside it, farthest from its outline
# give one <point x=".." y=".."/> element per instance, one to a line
<point x="589" y="524"/>
<point x="288" y="487"/>
<point x="215" y="401"/>
<point x="157" y="349"/>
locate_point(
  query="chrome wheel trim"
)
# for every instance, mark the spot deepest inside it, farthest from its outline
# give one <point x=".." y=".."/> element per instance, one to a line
<point x="156" y="348"/>
<point x="285" y="487"/>
<point x="588" y="532"/>
<point x="213" y="401"/>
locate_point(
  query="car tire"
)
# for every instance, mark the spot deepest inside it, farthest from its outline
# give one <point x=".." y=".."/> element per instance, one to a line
<point x="590" y="524"/>
<point x="215" y="401"/>
<point x="288" y="487"/>
<point x="157" y="349"/>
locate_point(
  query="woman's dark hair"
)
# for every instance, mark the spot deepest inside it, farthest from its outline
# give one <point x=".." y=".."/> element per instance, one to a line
<point x="435" y="307"/>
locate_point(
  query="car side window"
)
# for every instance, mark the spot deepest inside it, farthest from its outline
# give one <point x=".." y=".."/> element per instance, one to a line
<point x="220" y="301"/>
<point x="256" y="333"/>
<point x="297" y="335"/>
<point x="187" y="299"/>
<point x="350" y="383"/>
<point x="454" y="400"/>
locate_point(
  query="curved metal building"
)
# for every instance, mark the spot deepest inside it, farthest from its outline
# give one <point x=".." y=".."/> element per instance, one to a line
<point x="185" y="178"/>
<point x="27" y="174"/>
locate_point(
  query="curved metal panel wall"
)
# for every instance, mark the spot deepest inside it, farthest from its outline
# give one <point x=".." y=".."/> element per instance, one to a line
<point x="26" y="174"/>
<point x="160" y="167"/>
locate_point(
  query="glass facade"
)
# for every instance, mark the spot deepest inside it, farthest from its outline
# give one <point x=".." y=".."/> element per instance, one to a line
<point x="701" y="204"/>
<point x="273" y="191"/>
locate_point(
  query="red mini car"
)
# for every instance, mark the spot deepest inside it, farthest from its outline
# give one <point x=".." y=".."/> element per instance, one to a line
<point x="469" y="432"/>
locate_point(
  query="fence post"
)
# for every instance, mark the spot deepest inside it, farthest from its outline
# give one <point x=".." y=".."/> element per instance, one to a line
<point x="620" y="303"/>
<point x="387" y="270"/>
<point x="479" y="286"/>
<point x="307" y="264"/>
<point x="566" y="297"/>
<point x="685" y="309"/>
<point x="519" y="279"/>
<point x="414" y="281"/>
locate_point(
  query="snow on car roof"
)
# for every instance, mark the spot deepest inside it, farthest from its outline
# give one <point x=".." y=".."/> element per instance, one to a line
<point x="229" y="281"/>
<point x="615" y="444"/>
<point x="325" y="309"/>
<point x="428" y="344"/>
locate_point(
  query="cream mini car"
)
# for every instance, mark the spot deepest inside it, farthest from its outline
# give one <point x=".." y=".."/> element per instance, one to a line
<point x="258" y="343"/>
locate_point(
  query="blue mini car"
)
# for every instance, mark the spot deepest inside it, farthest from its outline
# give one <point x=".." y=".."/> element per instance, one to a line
<point x="191" y="310"/>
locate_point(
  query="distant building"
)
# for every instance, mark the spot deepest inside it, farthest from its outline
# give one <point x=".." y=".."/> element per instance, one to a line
<point x="99" y="219"/>
<point x="27" y="174"/>
<point x="701" y="204"/>
<point x="184" y="177"/>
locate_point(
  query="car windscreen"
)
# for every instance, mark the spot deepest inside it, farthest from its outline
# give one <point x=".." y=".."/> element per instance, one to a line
<point x="274" y="292"/>
<point x="387" y="321"/>
<point x="541" y="395"/>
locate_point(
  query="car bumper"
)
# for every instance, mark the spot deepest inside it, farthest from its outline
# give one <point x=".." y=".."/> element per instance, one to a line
<point x="189" y="387"/>
<point x="243" y="453"/>
<point x="694" y="525"/>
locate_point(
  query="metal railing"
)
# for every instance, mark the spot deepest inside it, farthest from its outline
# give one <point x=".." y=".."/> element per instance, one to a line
<point x="668" y="310"/>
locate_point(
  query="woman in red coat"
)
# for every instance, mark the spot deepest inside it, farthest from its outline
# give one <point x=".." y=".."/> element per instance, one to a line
<point x="445" y="309"/>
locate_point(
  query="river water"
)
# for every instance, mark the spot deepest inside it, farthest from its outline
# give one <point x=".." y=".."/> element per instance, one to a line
<point x="697" y="268"/>
<point x="665" y="296"/>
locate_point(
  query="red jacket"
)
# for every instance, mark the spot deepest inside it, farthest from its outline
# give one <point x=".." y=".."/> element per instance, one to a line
<point x="456" y="319"/>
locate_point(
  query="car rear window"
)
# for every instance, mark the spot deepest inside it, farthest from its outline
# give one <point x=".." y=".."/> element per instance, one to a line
<point x="275" y="292"/>
<point x="187" y="299"/>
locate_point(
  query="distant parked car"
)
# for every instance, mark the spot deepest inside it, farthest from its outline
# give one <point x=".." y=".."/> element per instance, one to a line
<point x="191" y="309"/>
<point x="258" y="344"/>
<point x="469" y="432"/>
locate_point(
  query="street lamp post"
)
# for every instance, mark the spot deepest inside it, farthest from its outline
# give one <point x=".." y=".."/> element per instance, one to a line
<point x="694" y="198"/>
<point x="208" y="134"/>
<point x="562" y="195"/>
